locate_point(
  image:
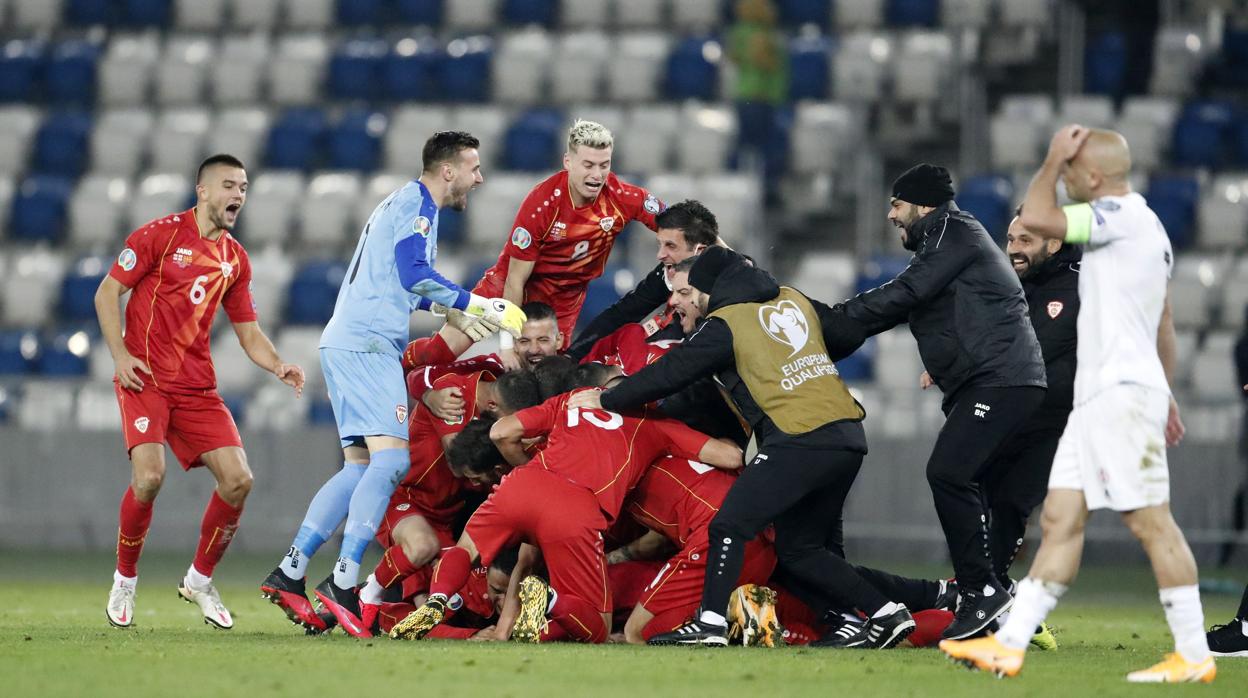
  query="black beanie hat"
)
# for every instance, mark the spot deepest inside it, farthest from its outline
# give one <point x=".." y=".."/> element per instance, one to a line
<point x="924" y="185"/>
<point x="708" y="267"/>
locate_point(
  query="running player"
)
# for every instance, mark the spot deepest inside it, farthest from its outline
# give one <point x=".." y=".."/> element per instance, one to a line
<point x="1112" y="454"/>
<point x="390" y="275"/>
<point x="180" y="268"/>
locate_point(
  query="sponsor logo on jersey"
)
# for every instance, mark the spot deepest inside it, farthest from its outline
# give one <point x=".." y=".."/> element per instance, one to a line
<point x="521" y="238"/>
<point x="400" y="413"/>
<point x="1055" y="309"/>
<point x="606" y="223"/>
<point x="227" y="269"/>
<point x="785" y="323"/>
<point x="127" y="259"/>
<point x="141" y="424"/>
<point x="652" y="204"/>
<point x="183" y="257"/>
<point x="402" y="507"/>
<point x="422" y="226"/>
<point x="558" y="231"/>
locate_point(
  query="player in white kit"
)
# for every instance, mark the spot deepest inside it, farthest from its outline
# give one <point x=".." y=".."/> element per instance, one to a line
<point x="1112" y="454"/>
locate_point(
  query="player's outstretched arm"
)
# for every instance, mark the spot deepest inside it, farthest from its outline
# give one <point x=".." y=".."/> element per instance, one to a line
<point x="263" y="354"/>
<point x="508" y="434"/>
<point x="108" y="312"/>
<point x="650" y="546"/>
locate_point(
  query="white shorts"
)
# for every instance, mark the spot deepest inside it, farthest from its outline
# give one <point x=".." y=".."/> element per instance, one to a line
<point x="1114" y="449"/>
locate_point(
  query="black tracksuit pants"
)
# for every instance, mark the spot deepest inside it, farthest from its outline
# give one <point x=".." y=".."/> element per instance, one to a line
<point x="802" y="491"/>
<point x="977" y="424"/>
<point x="1014" y="484"/>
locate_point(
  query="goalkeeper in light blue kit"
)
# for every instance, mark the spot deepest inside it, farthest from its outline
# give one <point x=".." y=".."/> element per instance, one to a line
<point x="390" y="275"/>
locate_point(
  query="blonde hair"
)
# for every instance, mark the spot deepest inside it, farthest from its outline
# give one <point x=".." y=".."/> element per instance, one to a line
<point x="590" y="134"/>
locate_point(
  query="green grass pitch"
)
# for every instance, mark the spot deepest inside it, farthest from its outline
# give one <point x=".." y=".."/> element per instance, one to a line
<point x="55" y="641"/>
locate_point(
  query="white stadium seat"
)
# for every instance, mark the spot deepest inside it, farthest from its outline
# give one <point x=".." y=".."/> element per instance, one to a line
<point x="576" y="73"/>
<point x="1178" y="55"/>
<point x="326" y="211"/>
<point x="471" y="14"/>
<point x="158" y="196"/>
<point x="255" y="14"/>
<point x="707" y="137"/>
<point x="1089" y="110"/>
<point x="409" y="128"/>
<point x="272" y="270"/>
<point x="241" y="132"/>
<point x="1213" y="370"/>
<point x="640" y="14"/>
<point x="1222" y="215"/>
<point x="32" y="286"/>
<point x="696" y="15"/>
<point x="493" y="210"/>
<point x="235" y="372"/>
<point x="897" y="363"/>
<point x="373" y="193"/>
<point x="1026" y="13"/>
<point x="47" y="405"/>
<point x="972" y="14"/>
<point x="36" y="15"/>
<point x="182" y="74"/>
<point x="823" y="133"/>
<point x="634" y="73"/>
<point x="854" y="14"/>
<point x="736" y="200"/>
<point x="17" y="126"/>
<point x="97" y="407"/>
<point x="922" y="70"/>
<point x="860" y="66"/>
<point x="581" y="14"/>
<point x="645" y="142"/>
<point x="119" y="141"/>
<point x="273" y="199"/>
<point x="297" y="344"/>
<point x="1192" y="285"/>
<point x="297" y="68"/>
<point x="96" y="210"/>
<point x="177" y="144"/>
<point x="274" y="407"/>
<point x="520" y="67"/>
<point x="7" y="188"/>
<point x="485" y="121"/>
<point x="1235" y="296"/>
<point x="826" y="276"/>
<point x="310" y="14"/>
<point x="199" y="14"/>
<point x="238" y="73"/>
<point x="125" y="72"/>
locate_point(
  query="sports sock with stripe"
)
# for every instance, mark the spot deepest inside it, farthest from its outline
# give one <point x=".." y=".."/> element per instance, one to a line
<point x="325" y="513"/>
<point x="135" y="519"/>
<point x="216" y="530"/>
<point x="386" y="469"/>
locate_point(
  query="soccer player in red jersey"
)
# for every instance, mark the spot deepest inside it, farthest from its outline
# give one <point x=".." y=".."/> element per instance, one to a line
<point x="591" y="460"/>
<point x="562" y="235"/>
<point x="179" y="269"/>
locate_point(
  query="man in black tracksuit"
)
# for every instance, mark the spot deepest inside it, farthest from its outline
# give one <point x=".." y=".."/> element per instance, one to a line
<point x="770" y="348"/>
<point x="967" y="312"/>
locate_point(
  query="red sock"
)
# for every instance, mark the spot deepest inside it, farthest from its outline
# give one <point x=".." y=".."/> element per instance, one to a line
<point x="215" y="533"/>
<point x="451" y="573"/>
<point x="580" y="619"/>
<point x="450" y="632"/>
<point x="394" y="566"/>
<point x="136" y="518"/>
<point x="427" y="351"/>
<point x="554" y="633"/>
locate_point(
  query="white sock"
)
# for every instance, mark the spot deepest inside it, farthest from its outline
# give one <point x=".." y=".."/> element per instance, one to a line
<point x="195" y="580"/>
<point x="122" y="580"/>
<point x="1187" y="622"/>
<point x="1243" y="625"/>
<point x="712" y="618"/>
<point x="1032" y="604"/>
<point x="295" y="564"/>
<point x="372" y="591"/>
<point x="886" y="609"/>
<point x="346" y="573"/>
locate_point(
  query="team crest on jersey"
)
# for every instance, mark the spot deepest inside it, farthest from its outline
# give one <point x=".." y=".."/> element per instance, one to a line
<point x="521" y="238"/>
<point x="457" y="420"/>
<point x="422" y="226"/>
<point x="402" y="507"/>
<point x="227" y="269"/>
<point x="127" y="259"/>
<point x="606" y="223"/>
<point x="652" y="204"/>
<point x="785" y="323"/>
<point x="400" y="413"/>
<point x="1055" y="309"/>
<point x="141" y="424"/>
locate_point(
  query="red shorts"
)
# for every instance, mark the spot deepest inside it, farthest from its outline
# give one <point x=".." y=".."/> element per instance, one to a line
<point x="192" y="424"/>
<point x="404" y="503"/>
<point x="565" y="298"/>
<point x="569" y="535"/>
<point x="678" y="586"/>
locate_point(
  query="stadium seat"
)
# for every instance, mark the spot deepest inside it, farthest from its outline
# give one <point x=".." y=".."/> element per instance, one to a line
<point x="799" y="12"/>
<point x="355" y="69"/>
<point x="199" y="15"/>
<point x="355" y="141"/>
<point x="1192" y="288"/>
<point x="1173" y="199"/>
<point x="1202" y="134"/>
<point x="37" y="15"/>
<point x="297" y="139"/>
<point x="70" y="73"/>
<point x="578" y="68"/>
<point x="913" y="13"/>
<point x="177" y="144"/>
<point x="487" y="123"/>
<point x="1178" y="55"/>
<point x="354" y="13"/>
<point x="990" y="199"/>
<point x="427" y="12"/>
<point x="316" y="15"/>
<point x="182" y="74"/>
<point x="296" y="69"/>
<point x="693" y="69"/>
<point x="521" y="66"/>
<point x="810" y="67"/>
<point x="857" y="14"/>
<point x="1018" y="131"/>
<point x="736" y="200"/>
<point x="540" y="12"/>
<point x="96" y="211"/>
<point x="159" y="195"/>
<point x="492" y="211"/>
<point x="8" y="189"/>
<point x="1147" y="123"/>
<point x="145" y="13"/>
<point x="17" y="126"/>
<point x="1230" y="70"/>
<point x="1089" y="110"/>
<point x="18" y="349"/>
<point x="237" y="75"/>
<point x="235" y="372"/>
<point x="241" y="132"/>
<point x="125" y="73"/>
<point x="273" y="407"/>
<point x="970" y="14"/>
<point x="859" y="67"/>
<point x="61" y="144"/>
<point x="1223" y="213"/>
<point x="922" y="68"/>
<point x="326" y="210"/>
<point x="32" y="287"/>
<point x="878" y="270"/>
<point x="79" y="286"/>
<point x="1213" y="368"/>
<point x="601" y="294"/>
<point x="410" y="127"/>
<point x="375" y="190"/>
<point x="39" y="211"/>
<point x="410" y="70"/>
<point x="273" y="200"/>
<point x="254" y="14"/>
<point x="47" y="406"/>
<point x="21" y="63"/>
<point x="897" y="364"/>
<point x="639" y="14"/>
<point x="823" y="133"/>
<point x="1026" y="13"/>
<point x="533" y="141"/>
<point x="585" y="14"/>
<point x="1105" y="64"/>
<point x="707" y="138"/>
<point x="633" y="72"/>
<point x="475" y="15"/>
<point x="645" y="142"/>
<point x="697" y="15"/>
<point x="859" y="367"/>
<point x="87" y="12"/>
<point x="826" y="276"/>
<point x="313" y="292"/>
<point x="464" y="75"/>
<point x="1235" y="297"/>
<point x="269" y="288"/>
<point x="97" y="408"/>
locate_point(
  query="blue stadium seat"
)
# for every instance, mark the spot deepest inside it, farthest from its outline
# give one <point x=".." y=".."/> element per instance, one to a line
<point x="355" y="69"/>
<point x="464" y="74"/>
<point x="1241" y="143"/>
<point x="1230" y="68"/>
<point x="20" y="64"/>
<point x="451" y="231"/>
<point x="320" y="413"/>
<point x="313" y="292"/>
<point x="988" y="198"/>
<point x="599" y="296"/>
<point x="61" y="144"/>
<point x="355" y="141"/>
<point x="531" y="143"/>
<point x="69" y="77"/>
<point x="797" y="12"/>
<point x="1105" y="64"/>
<point x="86" y="12"/>
<point x="66" y="352"/>
<point x="296" y="140"/>
<point x="236" y="404"/>
<point x="410" y="70"/>
<point x="691" y="74"/>
<point x="913" y="13"/>
<point x="39" y="209"/>
<point x="360" y="12"/>
<point x="427" y="12"/>
<point x="79" y="286"/>
<point x="147" y="13"/>
<point x="809" y="68"/>
<point x="859" y="366"/>
<point x="879" y="269"/>
<point x="18" y="351"/>
<point x="1201" y="134"/>
<point x="1173" y="198"/>
<point x="541" y="12"/>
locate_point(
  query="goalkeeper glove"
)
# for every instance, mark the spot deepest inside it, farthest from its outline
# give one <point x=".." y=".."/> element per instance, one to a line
<point x="477" y="328"/>
<point x="500" y="311"/>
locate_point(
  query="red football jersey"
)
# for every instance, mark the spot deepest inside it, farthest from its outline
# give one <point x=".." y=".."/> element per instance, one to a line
<point x="677" y="496"/>
<point x="422" y="378"/>
<point x="572" y="244"/>
<point x="605" y="452"/>
<point x="178" y="279"/>
<point x="429" y="480"/>
<point x="627" y="348"/>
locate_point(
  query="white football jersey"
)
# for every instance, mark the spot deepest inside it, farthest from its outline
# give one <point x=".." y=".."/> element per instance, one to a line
<point x="1127" y="262"/>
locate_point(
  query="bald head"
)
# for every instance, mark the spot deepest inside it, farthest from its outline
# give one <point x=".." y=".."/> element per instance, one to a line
<point x="1100" y="168"/>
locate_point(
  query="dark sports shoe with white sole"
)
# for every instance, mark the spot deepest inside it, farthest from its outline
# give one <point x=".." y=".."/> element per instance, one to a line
<point x="849" y="631"/>
<point x="695" y="632"/>
<point x="345" y="605"/>
<point x="976" y="610"/>
<point x="291" y="596"/>
<point x="1228" y="640"/>
<point x="884" y="632"/>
